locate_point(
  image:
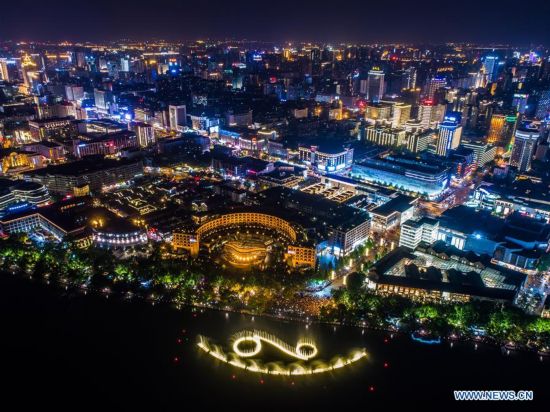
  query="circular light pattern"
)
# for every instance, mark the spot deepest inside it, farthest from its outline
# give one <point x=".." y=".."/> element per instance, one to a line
<point x="304" y="350"/>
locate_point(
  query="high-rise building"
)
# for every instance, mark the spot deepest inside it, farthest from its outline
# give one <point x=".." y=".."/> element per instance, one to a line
<point x="450" y="133"/>
<point x="501" y="130"/>
<point x="483" y="152"/>
<point x="73" y="93"/>
<point x="375" y="85"/>
<point x="490" y="67"/>
<point x="409" y="78"/>
<point x="125" y="64"/>
<point x="385" y="136"/>
<point x="177" y="116"/>
<point x="420" y="140"/>
<point x="315" y="55"/>
<point x="401" y="114"/>
<point x="378" y="111"/>
<point x="144" y="133"/>
<point x="519" y="102"/>
<point x="103" y="100"/>
<point x="433" y="85"/>
<point x="430" y="114"/>
<point x="4" y="73"/>
<point x="543" y="108"/>
<point x="496" y="127"/>
<point x="525" y="143"/>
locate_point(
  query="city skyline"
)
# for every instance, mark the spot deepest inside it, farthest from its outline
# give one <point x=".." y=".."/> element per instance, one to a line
<point x="340" y="206"/>
<point x="489" y="22"/>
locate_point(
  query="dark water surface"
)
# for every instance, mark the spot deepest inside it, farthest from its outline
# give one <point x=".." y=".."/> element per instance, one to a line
<point x="69" y="351"/>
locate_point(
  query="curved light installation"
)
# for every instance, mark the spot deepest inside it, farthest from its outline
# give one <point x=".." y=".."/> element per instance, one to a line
<point x="304" y="350"/>
<point x="301" y="350"/>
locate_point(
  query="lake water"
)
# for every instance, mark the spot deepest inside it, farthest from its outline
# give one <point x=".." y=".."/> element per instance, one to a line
<point x="72" y="351"/>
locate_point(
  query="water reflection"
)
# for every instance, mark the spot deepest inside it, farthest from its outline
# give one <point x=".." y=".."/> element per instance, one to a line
<point x="304" y="350"/>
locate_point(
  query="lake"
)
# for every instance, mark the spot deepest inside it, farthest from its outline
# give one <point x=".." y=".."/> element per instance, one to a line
<point x="70" y="351"/>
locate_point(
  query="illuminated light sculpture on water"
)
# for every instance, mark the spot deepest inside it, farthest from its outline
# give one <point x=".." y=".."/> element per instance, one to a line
<point x="304" y="350"/>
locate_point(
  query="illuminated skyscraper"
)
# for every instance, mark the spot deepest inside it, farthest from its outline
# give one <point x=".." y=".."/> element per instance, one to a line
<point x="103" y="100"/>
<point x="433" y="85"/>
<point x="524" y="147"/>
<point x="490" y="67"/>
<point x="177" y="116"/>
<point x="409" y="78"/>
<point x="430" y="114"/>
<point x="520" y="102"/>
<point x="496" y="127"/>
<point x="401" y="113"/>
<point x="543" y="108"/>
<point x="4" y="73"/>
<point x="125" y="64"/>
<point x="144" y="133"/>
<point x="501" y="130"/>
<point x="375" y="85"/>
<point x="450" y="133"/>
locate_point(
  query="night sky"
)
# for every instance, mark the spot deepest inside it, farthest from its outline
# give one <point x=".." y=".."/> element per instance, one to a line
<point x="522" y="22"/>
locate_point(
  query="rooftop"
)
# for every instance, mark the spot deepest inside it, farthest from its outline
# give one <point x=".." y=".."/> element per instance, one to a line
<point x="400" y="203"/>
<point x="89" y="164"/>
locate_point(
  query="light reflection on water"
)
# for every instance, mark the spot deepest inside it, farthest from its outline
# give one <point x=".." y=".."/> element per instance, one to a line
<point x="133" y="352"/>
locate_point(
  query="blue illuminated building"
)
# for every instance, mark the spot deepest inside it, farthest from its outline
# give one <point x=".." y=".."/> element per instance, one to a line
<point x="404" y="174"/>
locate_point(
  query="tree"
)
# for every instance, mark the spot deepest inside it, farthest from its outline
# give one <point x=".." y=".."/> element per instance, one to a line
<point x="426" y="312"/>
<point x="355" y="282"/>
<point x="539" y="326"/>
<point x="461" y="316"/>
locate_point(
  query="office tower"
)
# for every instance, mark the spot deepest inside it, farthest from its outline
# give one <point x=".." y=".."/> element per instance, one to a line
<point x="525" y="143"/>
<point x="125" y="64"/>
<point x="474" y="80"/>
<point x="144" y="133"/>
<point x="385" y="136"/>
<point x="103" y="100"/>
<point x="315" y="55"/>
<point x="519" y="102"/>
<point x="363" y="86"/>
<point x="543" y="108"/>
<point x="401" y="114"/>
<point x="483" y="152"/>
<point x="450" y="132"/>
<point x="496" y="127"/>
<point x="409" y="78"/>
<point x="378" y="111"/>
<point x="433" y="85"/>
<point x="375" y="85"/>
<point x="4" y="73"/>
<point x="419" y="141"/>
<point x="79" y="59"/>
<point x="430" y="114"/>
<point x="490" y="67"/>
<point x="177" y="116"/>
<point x="74" y="93"/>
<point x="501" y="130"/>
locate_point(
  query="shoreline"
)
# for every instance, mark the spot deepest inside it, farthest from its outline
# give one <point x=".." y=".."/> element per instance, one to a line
<point x="404" y="332"/>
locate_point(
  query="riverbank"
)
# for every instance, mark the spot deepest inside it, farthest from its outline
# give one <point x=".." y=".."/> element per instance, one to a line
<point x="71" y="351"/>
<point x="157" y="279"/>
<point x="404" y="332"/>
